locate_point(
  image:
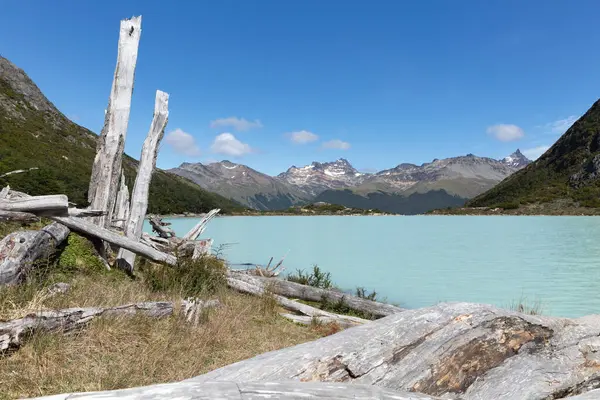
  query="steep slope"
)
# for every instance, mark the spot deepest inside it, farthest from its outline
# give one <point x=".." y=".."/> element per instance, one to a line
<point x="318" y="177"/>
<point x="34" y="133"/>
<point x="243" y="184"/>
<point x="569" y="170"/>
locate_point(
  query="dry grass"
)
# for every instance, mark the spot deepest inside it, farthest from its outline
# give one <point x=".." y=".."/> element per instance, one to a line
<point x="113" y="353"/>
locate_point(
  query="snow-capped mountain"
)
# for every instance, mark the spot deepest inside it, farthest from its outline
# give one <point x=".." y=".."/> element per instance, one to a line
<point x="516" y="160"/>
<point x="317" y="177"/>
<point x="449" y="181"/>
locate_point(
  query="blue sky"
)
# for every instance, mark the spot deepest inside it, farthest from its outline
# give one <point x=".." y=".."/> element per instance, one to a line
<point x="276" y="83"/>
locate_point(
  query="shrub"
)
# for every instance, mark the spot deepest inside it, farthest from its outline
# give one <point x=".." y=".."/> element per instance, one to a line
<point x="508" y="205"/>
<point x="362" y="293"/>
<point x="201" y="276"/>
<point x="317" y="278"/>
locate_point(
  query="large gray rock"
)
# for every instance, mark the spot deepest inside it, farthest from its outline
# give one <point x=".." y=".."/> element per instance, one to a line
<point x="452" y="350"/>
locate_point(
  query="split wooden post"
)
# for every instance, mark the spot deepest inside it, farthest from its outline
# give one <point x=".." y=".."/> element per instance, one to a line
<point x="121" y="213"/>
<point x="199" y="228"/>
<point x="139" y="198"/>
<point x="107" y="164"/>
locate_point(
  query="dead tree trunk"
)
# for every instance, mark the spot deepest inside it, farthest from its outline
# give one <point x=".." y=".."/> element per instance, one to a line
<point x="139" y="199"/>
<point x="13" y="332"/>
<point x="22" y="251"/>
<point x="121" y="213"/>
<point x="304" y="292"/>
<point x="107" y="164"/>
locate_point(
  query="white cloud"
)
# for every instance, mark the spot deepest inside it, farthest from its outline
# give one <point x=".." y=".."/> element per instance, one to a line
<point x="559" y="127"/>
<point x="536" y="152"/>
<point x="183" y="143"/>
<point x="303" y="137"/>
<point x="239" y="124"/>
<point x="506" y="132"/>
<point x="336" y="144"/>
<point x="227" y="144"/>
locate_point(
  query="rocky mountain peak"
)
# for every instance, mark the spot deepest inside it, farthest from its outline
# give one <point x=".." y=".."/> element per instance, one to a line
<point x="516" y="160"/>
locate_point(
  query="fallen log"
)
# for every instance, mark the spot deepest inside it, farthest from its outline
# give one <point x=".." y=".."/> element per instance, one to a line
<point x="451" y="350"/>
<point x="201" y="226"/>
<point x="4" y="192"/>
<point x="193" y="309"/>
<point x="90" y="229"/>
<point x="247" y="390"/>
<point x="13" y="332"/>
<point x="139" y="199"/>
<point x="51" y="204"/>
<point x="18" y="171"/>
<point x="342" y="320"/>
<point x="160" y="228"/>
<point x="304" y="292"/>
<point x="306" y="320"/>
<point x="106" y="169"/>
<point x="21" y="252"/>
<point x="17" y="216"/>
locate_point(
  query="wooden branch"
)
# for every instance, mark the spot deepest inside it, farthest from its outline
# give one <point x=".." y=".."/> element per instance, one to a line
<point x="82" y="213"/>
<point x="199" y="228"/>
<point x="121" y="213"/>
<point x="193" y="309"/>
<point x="305" y="309"/>
<point x="160" y="228"/>
<point x="237" y="390"/>
<point x="13" y="332"/>
<point x="304" y="292"/>
<point x="202" y="248"/>
<point x="88" y="228"/>
<point x="4" y="192"/>
<point x="319" y="319"/>
<point x="18" y="171"/>
<point x="139" y="199"/>
<point x="22" y="251"/>
<point x="104" y="182"/>
<point x="54" y="203"/>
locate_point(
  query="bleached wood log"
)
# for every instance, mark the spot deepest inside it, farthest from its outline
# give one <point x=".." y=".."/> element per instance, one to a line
<point x="305" y="309"/>
<point x="230" y="390"/>
<point x="106" y="169"/>
<point x="18" y="171"/>
<point x="20" y="198"/>
<point x="202" y="248"/>
<point x="306" y="320"/>
<point x="21" y="252"/>
<point x="54" y="203"/>
<point x="121" y="213"/>
<point x="83" y="212"/>
<point x="201" y="226"/>
<point x="139" y="199"/>
<point x="304" y="292"/>
<point x="4" y="192"/>
<point x="17" y="216"/>
<point x="90" y="229"/>
<point x="13" y="332"/>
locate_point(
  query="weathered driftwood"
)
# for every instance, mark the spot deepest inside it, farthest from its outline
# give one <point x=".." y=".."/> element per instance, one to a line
<point x="13" y="332"/>
<point x="4" y="192"/>
<point x="161" y="228"/>
<point x="193" y="309"/>
<point x="452" y="350"/>
<point x="304" y="292"/>
<point x="342" y="320"/>
<point x="104" y="182"/>
<point x="139" y="199"/>
<point x="18" y="171"/>
<point x="90" y="229"/>
<point x="306" y="320"/>
<point x="17" y="216"/>
<point x="53" y="204"/>
<point x="22" y="251"/>
<point x="248" y="391"/>
<point x="201" y="226"/>
<point x="121" y="213"/>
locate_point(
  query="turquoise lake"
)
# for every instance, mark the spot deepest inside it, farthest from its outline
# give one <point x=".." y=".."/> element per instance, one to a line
<point x="422" y="260"/>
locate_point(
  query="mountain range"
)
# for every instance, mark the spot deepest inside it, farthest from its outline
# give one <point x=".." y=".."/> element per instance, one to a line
<point x="405" y="189"/>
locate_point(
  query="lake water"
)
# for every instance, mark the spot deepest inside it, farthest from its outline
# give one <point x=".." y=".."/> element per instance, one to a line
<point x="422" y="260"/>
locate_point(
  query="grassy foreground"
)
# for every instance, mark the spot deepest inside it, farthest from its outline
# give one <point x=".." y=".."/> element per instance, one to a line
<point x="113" y="353"/>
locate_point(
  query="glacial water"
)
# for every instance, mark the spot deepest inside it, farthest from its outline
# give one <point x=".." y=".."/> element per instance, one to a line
<point x="422" y="260"/>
